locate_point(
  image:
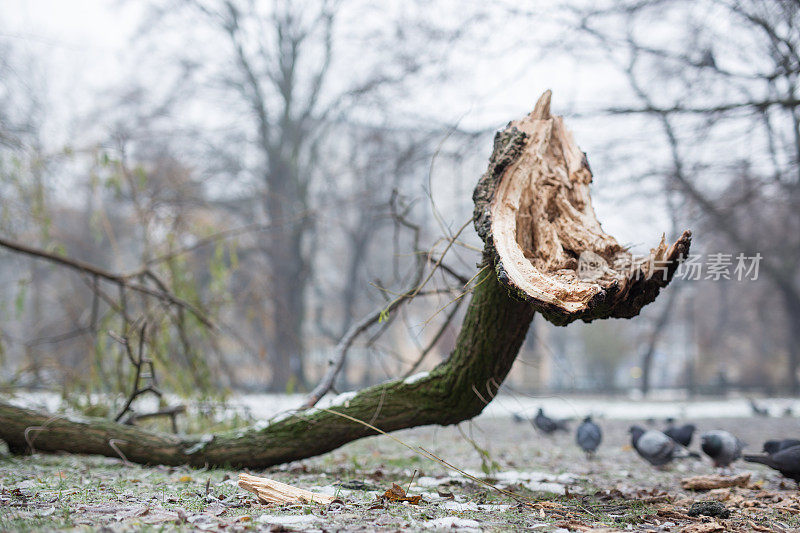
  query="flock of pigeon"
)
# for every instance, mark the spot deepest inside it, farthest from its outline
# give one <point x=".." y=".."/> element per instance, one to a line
<point x="662" y="447"/>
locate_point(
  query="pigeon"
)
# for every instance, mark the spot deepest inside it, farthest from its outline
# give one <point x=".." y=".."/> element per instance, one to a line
<point x="518" y="418"/>
<point x="589" y="436"/>
<point x="772" y="446"/>
<point x="681" y="434"/>
<point x="721" y="446"/>
<point x="653" y="446"/>
<point x="757" y="409"/>
<point x="786" y="461"/>
<point x="546" y="424"/>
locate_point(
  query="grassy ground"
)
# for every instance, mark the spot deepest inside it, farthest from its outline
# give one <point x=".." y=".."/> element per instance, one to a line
<point x="564" y="490"/>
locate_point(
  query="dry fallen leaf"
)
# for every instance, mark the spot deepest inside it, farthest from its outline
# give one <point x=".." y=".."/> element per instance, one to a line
<point x="715" y="482"/>
<point x="271" y="491"/>
<point x="397" y="494"/>
<point x="548" y="505"/>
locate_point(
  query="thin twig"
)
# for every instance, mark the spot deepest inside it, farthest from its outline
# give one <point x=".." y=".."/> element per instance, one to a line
<point x="137" y="363"/>
<point x="28" y="438"/>
<point x="113" y="444"/>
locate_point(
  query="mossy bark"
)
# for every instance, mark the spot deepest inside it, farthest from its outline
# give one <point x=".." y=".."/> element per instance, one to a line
<point x="458" y="389"/>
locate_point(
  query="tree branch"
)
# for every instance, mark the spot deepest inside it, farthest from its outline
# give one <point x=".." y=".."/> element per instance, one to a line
<point x="122" y="280"/>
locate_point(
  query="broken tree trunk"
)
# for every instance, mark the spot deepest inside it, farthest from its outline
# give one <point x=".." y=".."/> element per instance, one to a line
<point x="544" y="251"/>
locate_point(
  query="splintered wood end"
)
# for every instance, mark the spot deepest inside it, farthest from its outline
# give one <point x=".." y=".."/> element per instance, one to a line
<point x="534" y="211"/>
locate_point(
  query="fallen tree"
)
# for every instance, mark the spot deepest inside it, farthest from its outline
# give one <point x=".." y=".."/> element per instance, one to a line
<point x="544" y="252"/>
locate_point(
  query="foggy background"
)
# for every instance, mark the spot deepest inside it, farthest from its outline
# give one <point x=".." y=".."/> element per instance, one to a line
<point x="284" y="167"/>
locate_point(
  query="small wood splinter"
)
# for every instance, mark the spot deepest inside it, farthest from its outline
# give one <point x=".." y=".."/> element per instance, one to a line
<point x="271" y="491"/>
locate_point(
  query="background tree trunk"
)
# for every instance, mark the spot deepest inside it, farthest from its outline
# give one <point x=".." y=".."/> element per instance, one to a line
<point x="652" y="341"/>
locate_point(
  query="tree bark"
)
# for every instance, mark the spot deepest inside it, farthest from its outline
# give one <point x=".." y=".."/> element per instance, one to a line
<point x="534" y="213"/>
<point x="289" y="271"/>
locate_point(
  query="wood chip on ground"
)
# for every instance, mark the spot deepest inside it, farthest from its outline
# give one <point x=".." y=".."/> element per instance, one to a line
<point x="715" y="482"/>
<point x="271" y="491"/>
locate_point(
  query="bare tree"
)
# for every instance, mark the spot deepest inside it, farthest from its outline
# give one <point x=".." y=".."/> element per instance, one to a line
<point x="298" y="72"/>
<point x="722" y="91"/>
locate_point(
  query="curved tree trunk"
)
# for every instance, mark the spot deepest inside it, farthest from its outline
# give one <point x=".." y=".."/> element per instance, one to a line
<point x="456" y="390"/>
<point x="544" y="251"/>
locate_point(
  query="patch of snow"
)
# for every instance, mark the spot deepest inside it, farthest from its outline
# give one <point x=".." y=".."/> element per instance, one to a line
<point x="492" y="507"/>
<point x="566" y="477"/>
<point x="427" y="481"/>
<point x="343" y="399"/>
<point x="205" y="439"/>
<point x="280" y="417"/>
<point x="668" y="404"/>
<point x="261" y="425"/>
<point x="544" y="486"/>
<point x="415" y="377"/>
<point x="332" y="490"/>
<point x="514" y="476"/>
<point x="290" y="520"/>
<point x="659" y="405"/>
<point x="453" y="522"/>
<point x="460" y="507"/>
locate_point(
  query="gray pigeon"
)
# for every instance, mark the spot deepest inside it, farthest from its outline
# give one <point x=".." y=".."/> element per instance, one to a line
<point x="772" y="446"/>
<point x="546" y="424"/>
<point x="653" y="446"/>
<point x="589" y="436"/>
<point x="721" y="446"/>
<point x="680" y="434"/>
<point x="786" y="461"/>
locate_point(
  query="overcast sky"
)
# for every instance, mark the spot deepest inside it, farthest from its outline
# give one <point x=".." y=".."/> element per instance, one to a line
<point x="85" y="45"/>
